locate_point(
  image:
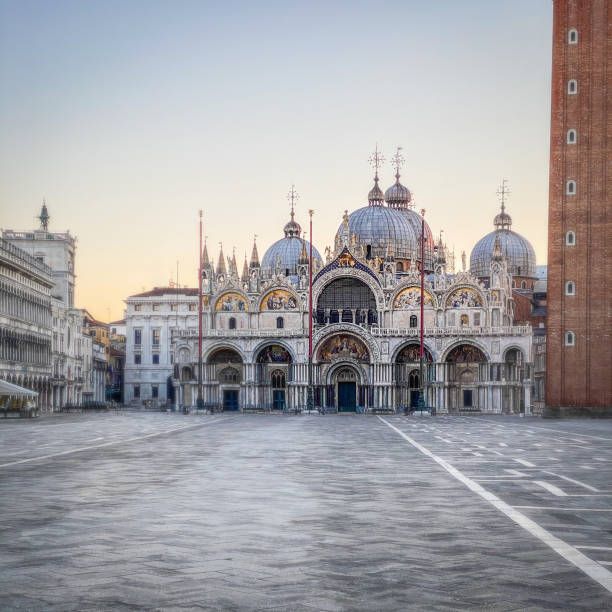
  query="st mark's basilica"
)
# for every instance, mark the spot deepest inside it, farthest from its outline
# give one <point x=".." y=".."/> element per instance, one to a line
<point x="366" y="322"/>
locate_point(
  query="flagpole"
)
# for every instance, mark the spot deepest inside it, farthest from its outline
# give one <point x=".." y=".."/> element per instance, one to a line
<point x="421" y="365"/>
<point x="310" y="393"/>
<point x="200" y="402"/>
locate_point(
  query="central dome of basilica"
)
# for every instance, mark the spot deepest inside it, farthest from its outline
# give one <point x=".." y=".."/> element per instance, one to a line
<point x="390" y="230"/>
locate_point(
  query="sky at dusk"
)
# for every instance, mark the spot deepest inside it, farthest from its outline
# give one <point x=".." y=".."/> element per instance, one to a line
<point x="129" y="117"/>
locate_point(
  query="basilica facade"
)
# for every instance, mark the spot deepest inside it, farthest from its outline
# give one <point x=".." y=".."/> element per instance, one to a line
<point x="366" y="308"/>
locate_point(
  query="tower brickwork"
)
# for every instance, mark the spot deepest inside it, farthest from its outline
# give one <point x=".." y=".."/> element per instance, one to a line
<point x="579" y="317"/>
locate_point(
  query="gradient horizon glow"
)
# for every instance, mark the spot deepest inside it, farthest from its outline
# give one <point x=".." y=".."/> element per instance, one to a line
<point x="130" y="117"/>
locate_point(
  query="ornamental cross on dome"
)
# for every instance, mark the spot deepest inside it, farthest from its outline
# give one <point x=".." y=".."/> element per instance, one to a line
<point x="293" y="197"/>
<point x="376" y="160"/>
<point x="502" y="193"/>
<point x="397" y="162"/>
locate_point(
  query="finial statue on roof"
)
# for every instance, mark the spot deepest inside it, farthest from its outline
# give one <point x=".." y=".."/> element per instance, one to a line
<point x="397" y="162"/>
<point x="376" y="197"/>
<point x="463" y="260"/>
<point x="44" y="216"/>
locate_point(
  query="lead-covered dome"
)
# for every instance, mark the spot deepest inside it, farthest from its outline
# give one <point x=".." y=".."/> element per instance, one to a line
<point x="287" y="251"/>
<point x="518" y="250"/>
<point x="385" y="230"/>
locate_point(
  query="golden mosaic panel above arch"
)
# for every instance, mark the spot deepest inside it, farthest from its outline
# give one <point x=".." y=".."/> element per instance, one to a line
<point x="464" y="297"/>
<point x="343" y="346"/>
<point x="232" y="302"/>
<point x="279" y="299"/>
<point x="410" y="297"/>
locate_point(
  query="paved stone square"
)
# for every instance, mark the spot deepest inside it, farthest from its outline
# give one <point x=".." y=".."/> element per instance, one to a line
<point x="236" y="512"/>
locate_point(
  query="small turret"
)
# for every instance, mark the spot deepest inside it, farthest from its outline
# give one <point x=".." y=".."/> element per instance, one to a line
<point x="221" y="269"/>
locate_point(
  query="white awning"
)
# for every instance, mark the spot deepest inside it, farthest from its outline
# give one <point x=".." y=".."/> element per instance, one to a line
<point x="7" y="388"/>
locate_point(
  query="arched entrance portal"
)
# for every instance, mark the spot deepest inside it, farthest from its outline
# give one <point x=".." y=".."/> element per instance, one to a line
<point x="467" y="369"/>
<point x="342" y="358"/>
<point x="273" y="371"/>
<point x="407" y="375"/>
<point x="227" y="365"/>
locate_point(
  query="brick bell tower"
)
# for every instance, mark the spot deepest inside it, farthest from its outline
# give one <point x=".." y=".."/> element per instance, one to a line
<point x="579" y="319"/>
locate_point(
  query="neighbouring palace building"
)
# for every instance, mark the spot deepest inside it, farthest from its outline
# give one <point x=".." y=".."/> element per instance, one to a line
<point x="366" y="320"/>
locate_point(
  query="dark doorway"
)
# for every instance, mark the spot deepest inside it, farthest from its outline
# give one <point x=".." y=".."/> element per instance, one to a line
<point x="230" y="400"/>
<point x="346" y="396"/>
<point x="467" y="398"/>
<point x="278" y="399"/>
<point x="414" y="398"/>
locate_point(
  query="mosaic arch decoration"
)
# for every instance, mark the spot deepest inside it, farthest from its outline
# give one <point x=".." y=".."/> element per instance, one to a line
<point x="274" y="353"/>
<point x="279" y="299"/>
<point x="463" y="297"/>
<point x="343" y="346"/>
<point x="410" y="354"/>
<point x="232" y="302"/>
<point x="466" y="353"/>
<point x="410" y="297"/>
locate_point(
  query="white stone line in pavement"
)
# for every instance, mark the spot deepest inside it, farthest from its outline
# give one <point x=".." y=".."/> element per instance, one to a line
<point x="576" y="482"/>
<point x="84" y="448"/>
<point x="595" y="547"/>
<point x="551" y="488"/>
<point x="604" y="562"/>
<point x="564" y="510"/>
<point x="515" y="472"/>
<point x="590" y="567"/>
<point x="525" y="463"/>
<point x="574" y="433"/>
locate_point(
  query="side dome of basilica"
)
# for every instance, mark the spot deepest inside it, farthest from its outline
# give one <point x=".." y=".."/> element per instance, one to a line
<point x="285" y="254"/>
<point x="516" y="248"/>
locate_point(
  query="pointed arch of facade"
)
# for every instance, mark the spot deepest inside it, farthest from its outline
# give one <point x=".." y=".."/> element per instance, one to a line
<point x="468" y="342"/>
<point x="514" y="347"/>
<point x="272" y="342"/>
<point x="345" y="328"/>
<point x="414" y="341"/>
<point x="268" y="290"/>
<point x="355" y="273"/>
<point x="227" y="291"/>
<point x="232" y="346"/>
<point x="406" y="284"/>
<point x="474" y="286"/>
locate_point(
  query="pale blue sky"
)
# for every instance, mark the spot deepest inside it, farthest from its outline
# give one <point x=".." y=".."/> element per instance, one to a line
<point x="131" y="116"/>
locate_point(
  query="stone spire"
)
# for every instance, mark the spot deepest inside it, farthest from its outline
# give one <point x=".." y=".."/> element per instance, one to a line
<point x="205" y="260"/>
<point x="234" y="265"/>
<point x="245" y="270"/>
<point x="221" y="269"/>
<point x="254" y="254"/>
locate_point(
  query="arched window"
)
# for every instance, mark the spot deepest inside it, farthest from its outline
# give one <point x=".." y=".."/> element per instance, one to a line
<point x="572" y="37"/>
<point x="232" y="323"/>
<point x="513" y="284"/>
<point x="570" y="187"/>
<point x="572" y="86"/>
<point x="570" y="338"/>
<point x="570" y="238"/>
<point x="571" y="136"/>
<point x="280" y="322"/>
<point x="399" y="267"/>
<point x="413" y="321"/>
<point x="524" y="285"/>
<point x="278" y="379"/>
<point x="570" y="288"/>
